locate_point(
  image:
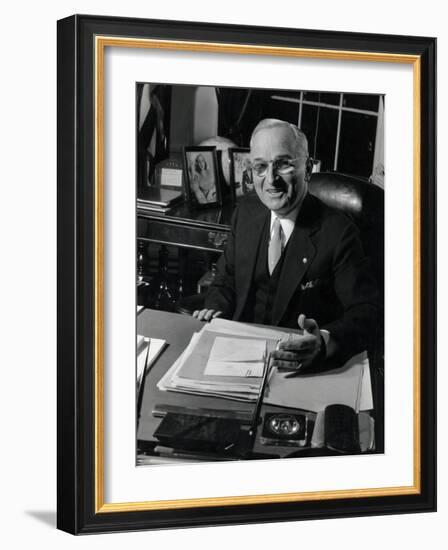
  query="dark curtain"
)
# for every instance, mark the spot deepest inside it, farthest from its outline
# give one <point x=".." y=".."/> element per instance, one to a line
<point x="153" y="136"/>
<point x="240" y="110"/>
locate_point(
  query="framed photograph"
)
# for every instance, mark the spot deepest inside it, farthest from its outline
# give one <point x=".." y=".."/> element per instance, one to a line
<point x="202" y="185"/>
<point x="347" y="238"/>
<point x="241" y="177"/>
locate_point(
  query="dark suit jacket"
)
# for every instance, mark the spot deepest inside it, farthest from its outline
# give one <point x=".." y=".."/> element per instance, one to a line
<point x="325" y="274"/>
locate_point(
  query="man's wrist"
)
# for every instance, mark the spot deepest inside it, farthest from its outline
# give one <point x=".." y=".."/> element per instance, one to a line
<point x="331" y="346"/>
<point x="325" y="338"/>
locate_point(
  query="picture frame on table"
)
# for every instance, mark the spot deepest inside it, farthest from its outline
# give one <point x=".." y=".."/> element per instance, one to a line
<point x="241" y="178"/>
<point x="99" y="487"/>
<point x="202" y="183"/>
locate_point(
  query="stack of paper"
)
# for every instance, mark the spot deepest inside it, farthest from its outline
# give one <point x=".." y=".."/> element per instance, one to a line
<point x="227" y="359"/>
<point x="148" y="349"/>
<point x="158" y="199"/>
<point x="142" y="352"/>
<point x="241" y="357"/>
<point x="222" y="364"/>
<point x="349" y="385"/>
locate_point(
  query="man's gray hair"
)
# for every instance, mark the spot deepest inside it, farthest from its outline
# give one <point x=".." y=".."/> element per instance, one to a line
<point x="299" y="136"/>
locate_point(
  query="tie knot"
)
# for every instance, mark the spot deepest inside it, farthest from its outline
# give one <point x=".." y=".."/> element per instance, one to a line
<point x="277" y="230"/>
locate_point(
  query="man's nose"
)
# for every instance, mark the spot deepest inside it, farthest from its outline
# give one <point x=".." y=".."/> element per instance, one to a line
<point x="270" y="174"/>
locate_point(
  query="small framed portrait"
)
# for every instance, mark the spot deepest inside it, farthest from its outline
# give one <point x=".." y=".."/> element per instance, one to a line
<point x="202" y="186"/>
<point x="241" y="178"/>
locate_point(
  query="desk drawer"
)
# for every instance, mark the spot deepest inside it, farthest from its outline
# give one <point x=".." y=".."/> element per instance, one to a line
<point x="165" y="232"/>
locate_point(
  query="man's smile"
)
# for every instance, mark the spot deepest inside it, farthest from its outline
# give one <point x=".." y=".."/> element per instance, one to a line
<point x="277" y="188"/>
<point x="275" y="191"/>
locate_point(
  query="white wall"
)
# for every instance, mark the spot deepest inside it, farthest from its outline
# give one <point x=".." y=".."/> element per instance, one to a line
<point x="28" y="272"/>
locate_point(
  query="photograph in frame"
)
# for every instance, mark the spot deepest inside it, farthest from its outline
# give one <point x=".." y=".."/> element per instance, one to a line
<point x="202" y="184"/>
<point x="87" y="424"/>
<point x="242" y="181"/>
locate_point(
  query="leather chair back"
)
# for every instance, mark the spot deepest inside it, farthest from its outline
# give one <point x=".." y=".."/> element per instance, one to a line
<point x="364" y="203"/>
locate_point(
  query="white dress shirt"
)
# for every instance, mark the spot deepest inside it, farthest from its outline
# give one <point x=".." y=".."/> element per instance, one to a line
<point x="287" y="222"/>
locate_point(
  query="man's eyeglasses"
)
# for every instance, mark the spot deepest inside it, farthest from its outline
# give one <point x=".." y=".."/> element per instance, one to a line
<point x="281" y="166"/>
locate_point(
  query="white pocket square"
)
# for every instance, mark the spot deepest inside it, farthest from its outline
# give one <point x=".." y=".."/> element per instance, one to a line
<point x="309" y="284"/>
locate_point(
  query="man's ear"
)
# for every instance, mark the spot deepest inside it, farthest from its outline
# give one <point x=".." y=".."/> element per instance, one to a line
<point x="309" y="168"/>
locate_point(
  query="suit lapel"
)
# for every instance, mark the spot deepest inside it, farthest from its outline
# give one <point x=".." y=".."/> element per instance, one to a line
<point x="248" y="247"/>
<point x="299" y="254"/>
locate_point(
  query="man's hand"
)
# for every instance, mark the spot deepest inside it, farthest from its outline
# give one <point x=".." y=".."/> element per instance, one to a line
<point x="299" y="351"/>
<point x="206" y="314"/>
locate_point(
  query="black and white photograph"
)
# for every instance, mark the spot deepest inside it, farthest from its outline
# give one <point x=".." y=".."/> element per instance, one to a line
<point x="242" y="181"/>
<point x="201" y="176"/>
<point x="260" y="332"/>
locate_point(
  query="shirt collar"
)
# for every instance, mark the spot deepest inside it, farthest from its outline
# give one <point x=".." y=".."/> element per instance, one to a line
<point x="287" y="222"/>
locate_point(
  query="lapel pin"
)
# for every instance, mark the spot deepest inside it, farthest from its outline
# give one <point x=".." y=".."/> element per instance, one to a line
<point x="304" y="260"/>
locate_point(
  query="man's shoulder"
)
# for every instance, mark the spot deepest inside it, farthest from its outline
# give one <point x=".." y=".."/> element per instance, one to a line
<point x="318" y="214"/>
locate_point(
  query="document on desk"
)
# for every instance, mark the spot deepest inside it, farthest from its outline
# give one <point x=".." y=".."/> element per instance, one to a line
<point x="191" y="372"/>
<point x="348" y="385"/>
<point x="196" y="371"/>
<point x="239" y="357"/>
<point x="147" y="356"/>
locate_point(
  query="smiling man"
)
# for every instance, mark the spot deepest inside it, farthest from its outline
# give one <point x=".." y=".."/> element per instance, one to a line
<point x="292" y="261"/>
<point x="281" y="181"/>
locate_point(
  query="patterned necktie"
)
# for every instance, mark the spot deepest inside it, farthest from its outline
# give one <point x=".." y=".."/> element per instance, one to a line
<point x="275" y="245"/>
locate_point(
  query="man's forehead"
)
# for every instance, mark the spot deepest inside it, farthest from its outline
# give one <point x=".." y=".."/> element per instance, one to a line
<point x="277" y="138"/>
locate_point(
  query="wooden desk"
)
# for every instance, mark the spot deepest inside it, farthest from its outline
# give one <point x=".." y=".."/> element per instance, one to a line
<point x="182" y="226"/>
<point x="177" y="331"/>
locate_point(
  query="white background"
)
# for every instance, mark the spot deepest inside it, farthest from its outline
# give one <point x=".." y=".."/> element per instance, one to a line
<point x="28" y="274"/>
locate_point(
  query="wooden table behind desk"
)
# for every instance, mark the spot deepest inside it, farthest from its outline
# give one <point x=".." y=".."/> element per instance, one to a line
<point x="177" y="331"/>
